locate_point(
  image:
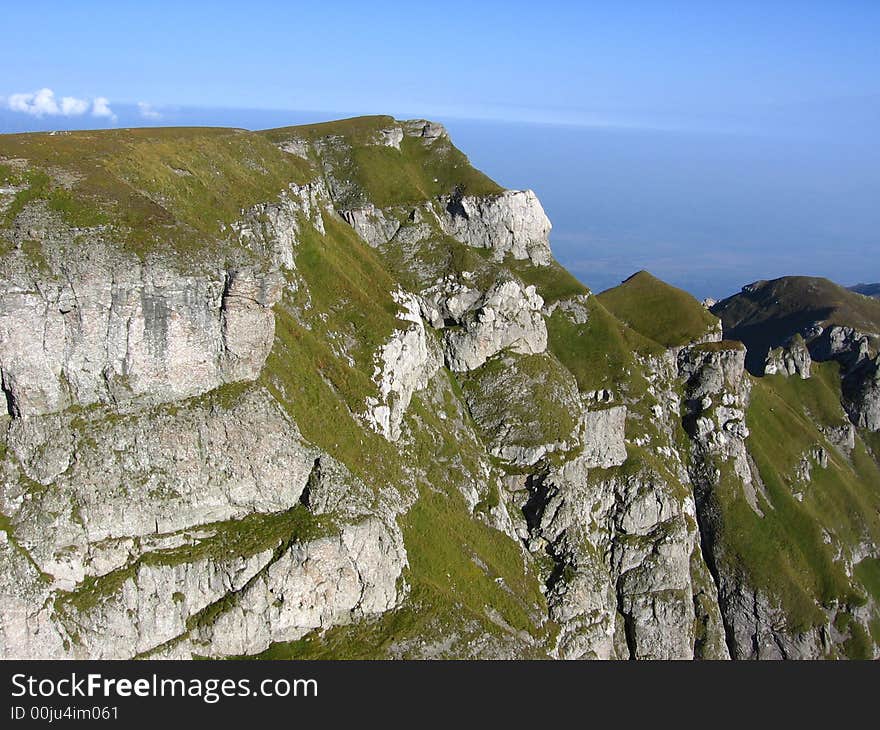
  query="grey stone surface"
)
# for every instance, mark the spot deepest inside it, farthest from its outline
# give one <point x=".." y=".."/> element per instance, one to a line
<point x="792" y="358"/>
<point x="512" y="222"/>
<point x="106" y="329"/>
<point x="506" y="316"/>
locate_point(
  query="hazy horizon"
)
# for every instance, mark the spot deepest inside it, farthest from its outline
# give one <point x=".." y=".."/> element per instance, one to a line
<point x="706" y="211"/>
<point x="710" y="143"/>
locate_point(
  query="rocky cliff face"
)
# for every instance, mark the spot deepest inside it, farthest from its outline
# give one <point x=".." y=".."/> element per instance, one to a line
<point x="363" y="412"/>
<point x="98" y="328"/>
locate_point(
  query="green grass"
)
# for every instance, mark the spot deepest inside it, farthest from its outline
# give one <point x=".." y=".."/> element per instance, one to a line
<point x="600" y="353"/>
<point x="785" y="552"/>
<point x="419" y="267"/>
<point x="441" y="540"/>
<point x="159" y="188"/>
<point x="552" y="282"/>
<point x="9" y="175"/>
<point x="346" y="301"/>
<point x="348" y="283"/>
<point x="320" y="392"/>
<point x="76" y="211"/>
<point x="872" y="443"/>
<point x="776" y="309"/>
<point x="230" y="540"/>
<point x="386" y="176"/>
<point x="868" y="573"/>
<point x="38" y="184"/>
<point x="458" y="565"/>
<point x="657" y="310"/>
<point x="720" y="346"/>
<point x="524" y="400"/>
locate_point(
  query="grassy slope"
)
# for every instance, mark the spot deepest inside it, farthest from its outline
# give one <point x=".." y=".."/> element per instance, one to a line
<point x="154" y="187"/>
<point x="869" y="290"/>
<point x="446" y="546"/>
<point x="657" y="310"/>
<point x="525" y="400"/>
<point x="602" y="352"/>
<point x="785" y="552"/>
<point x="388" y="176"/>
<point x="182" y="186"/>
<point x="812" y="299"/>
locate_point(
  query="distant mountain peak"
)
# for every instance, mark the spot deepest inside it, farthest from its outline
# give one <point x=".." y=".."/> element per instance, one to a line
<point x="868" y="290"/>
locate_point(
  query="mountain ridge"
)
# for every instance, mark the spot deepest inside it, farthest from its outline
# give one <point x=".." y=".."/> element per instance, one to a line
<point x="869" y="290"/>
<point x="324" y="391"/>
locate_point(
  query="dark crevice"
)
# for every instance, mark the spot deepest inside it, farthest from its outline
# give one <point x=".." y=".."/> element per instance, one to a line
<point x="629" y="630"/>
<point x="539" y="494"/>
<point x="11" y="407"/>
<point x="704" y="508"/>
<point x="455" y="207"/>
<point x="314" y="478"/>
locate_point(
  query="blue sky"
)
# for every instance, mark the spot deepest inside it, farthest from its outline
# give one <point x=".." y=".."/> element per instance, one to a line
<point x="713" y="143"/>
<point x="656" y="64"/>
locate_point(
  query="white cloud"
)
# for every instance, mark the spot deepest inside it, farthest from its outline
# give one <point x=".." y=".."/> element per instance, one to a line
<point x="101" y="108"/>
<point x="147" y="111"/>
<point x="73" y="107"/>
<point x="38" y="104"/>
<point x="43" y="103"/>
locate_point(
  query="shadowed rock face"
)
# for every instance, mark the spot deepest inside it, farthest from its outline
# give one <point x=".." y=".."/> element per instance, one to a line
<point x="788" y="323"/>
<point x="861" y="392"/>
<point x="767" y="314"/>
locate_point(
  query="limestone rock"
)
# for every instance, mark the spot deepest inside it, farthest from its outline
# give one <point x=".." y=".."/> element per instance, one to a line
<point x="626" y="545"/>
<point x="391" y="137"/>
<point x="842" y="436"/>
<point x="791" y="359"/>
<point x="575" y="308"/>
<point x="507" y="316"/>
<point x="604" y="442"/>
<point x="372" y="224"/>
<point x="315" y="585"/>
<point x="448" y="301"/>
<point x="109" y="334"/>
<point x="272" y="230"/>
<point x="709" y="370"/>
<point x="511" y="222"/>
<point x="114" y="482"/>
<point x="404" y="365"/>
<point x="845" y="344"/>
<point x="525" y="407"/>
<point x="861" y="394"/>
<point x="427" y="131"/>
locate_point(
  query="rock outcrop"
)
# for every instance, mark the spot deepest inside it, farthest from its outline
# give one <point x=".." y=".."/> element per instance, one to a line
<point x="792" y="358"/>
<point x="629" y="573"/>
<point x="272" y="230"/>
<point x="508" y="315"/>
<point x="604" y="437"/>
<point x="845" y="344"/>
<point x="371" y="224"/>
<point x="128" y="529"/>
<point x="510" y="223"/>
<point x="314" y="585"/>
<point x="404" y="365"/>
<point x="861" y="394"/>
<point x="108" y="330"/>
